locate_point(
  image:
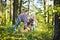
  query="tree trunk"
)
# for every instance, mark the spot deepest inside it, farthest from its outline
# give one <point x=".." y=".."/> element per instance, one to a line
<point x="0" y="12"/>
<point x="56" y="2"/>
<point x="14" y="10"/>
<point x="28" y="5"/>
<point x="57" y="21"/>
<point x="56" y="27"/>
<point x="48" y="15"/>
<point x="20" y="6"/>
<point x="10" y="10"/>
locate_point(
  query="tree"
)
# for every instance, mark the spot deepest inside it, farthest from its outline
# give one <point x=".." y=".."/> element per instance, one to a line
<point x="56" y="2"/>
<point x="20" y="6"/>
<point x="57" y="20"/>
<point x="56" y="27"/>
<point x="15" y="8"/>
<point x="28" y="5"/>
<point x="0" y="12"/>
<point x="48" y="11"/>
<point x="11" y="10"/>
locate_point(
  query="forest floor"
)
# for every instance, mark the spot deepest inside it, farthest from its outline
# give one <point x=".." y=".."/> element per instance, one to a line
<point x="6" y="33"/>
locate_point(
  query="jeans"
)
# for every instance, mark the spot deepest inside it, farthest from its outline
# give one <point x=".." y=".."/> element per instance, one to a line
<point x="32" y="26"/>
<point x="17" y="23"/>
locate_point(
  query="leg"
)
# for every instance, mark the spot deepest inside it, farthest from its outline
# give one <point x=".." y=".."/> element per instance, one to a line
<point x="32" y="26"/>
<point x="17" y="23"/>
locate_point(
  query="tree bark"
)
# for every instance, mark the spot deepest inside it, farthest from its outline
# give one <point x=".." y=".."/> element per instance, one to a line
<point x="15" y="4"/>
<point x="56" y="27"/>
<point x="10" y="10"/>
<point x="28" y="5"/>
<point x="20" y="6"/>
<point x="57" y="21"/>
<point x="16" y="8"/>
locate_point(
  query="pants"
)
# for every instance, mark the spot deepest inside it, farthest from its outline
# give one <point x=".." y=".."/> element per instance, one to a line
<point x="32" y="26"/>
<point x="17" y="23"/>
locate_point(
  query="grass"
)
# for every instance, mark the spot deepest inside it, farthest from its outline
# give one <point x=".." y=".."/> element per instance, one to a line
<point x="42" y="32"/>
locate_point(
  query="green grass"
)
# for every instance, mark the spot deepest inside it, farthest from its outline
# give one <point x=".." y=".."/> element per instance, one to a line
<point x="43" y="32"/>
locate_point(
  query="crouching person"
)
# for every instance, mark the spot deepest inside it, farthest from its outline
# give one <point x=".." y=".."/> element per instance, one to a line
<point x="22" y="18"/>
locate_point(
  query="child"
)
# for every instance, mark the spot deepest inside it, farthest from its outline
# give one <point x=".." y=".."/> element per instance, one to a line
<point x="24" y="18"/>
